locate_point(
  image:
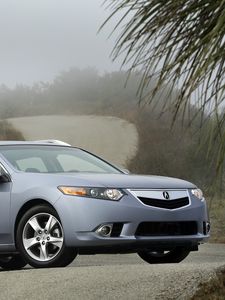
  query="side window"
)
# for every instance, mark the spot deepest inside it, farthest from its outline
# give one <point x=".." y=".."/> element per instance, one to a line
<point x="32" y="164"/>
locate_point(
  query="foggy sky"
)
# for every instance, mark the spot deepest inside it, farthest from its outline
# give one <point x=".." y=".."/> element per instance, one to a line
<point x="40" y="38"/>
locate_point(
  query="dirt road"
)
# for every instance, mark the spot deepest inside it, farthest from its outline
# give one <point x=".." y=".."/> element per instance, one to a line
<point x="112" y="138"/>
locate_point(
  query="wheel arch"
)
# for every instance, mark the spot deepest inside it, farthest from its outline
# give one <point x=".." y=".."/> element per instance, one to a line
<point x="28" y="205"/>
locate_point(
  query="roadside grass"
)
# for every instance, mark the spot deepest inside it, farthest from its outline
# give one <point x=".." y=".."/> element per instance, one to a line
<point x="214" y="289"/>
<point x="9" y="133"/>
<point x="217" y="219"/>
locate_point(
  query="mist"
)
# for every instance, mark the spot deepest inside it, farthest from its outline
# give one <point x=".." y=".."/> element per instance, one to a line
<point x="41" y="38"/>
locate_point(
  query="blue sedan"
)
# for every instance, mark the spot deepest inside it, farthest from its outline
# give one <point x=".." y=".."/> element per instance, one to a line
<point x="58" y="201"/>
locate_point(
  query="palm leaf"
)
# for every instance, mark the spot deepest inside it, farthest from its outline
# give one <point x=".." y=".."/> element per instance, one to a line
<point x="181" y="43"/>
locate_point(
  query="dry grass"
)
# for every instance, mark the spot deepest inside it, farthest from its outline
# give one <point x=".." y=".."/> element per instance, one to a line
<point x="212" y="290"/>
<point x="9" y="133"/>
<point x="217" y="218"/>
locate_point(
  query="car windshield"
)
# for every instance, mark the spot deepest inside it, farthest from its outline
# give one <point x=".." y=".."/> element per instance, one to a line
<point x="54" y="159"/>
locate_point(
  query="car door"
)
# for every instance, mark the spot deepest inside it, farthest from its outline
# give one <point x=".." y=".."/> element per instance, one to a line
<point x="5" y="191"/>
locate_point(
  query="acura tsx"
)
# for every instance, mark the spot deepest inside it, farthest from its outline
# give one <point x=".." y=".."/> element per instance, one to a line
<point x="59" y="201"/>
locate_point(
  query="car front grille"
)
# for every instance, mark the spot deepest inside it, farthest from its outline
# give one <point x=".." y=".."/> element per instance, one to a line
<point x="168" y="204"/>
<point x="167" y="228"/>
<point x="170" y="199"/>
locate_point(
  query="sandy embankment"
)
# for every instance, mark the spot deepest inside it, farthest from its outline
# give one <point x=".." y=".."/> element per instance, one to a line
<point x="110" y="137"/>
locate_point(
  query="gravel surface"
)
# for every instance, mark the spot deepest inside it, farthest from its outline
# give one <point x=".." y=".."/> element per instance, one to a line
<point x="115" y="277"/>
<point x="112" y="138"/>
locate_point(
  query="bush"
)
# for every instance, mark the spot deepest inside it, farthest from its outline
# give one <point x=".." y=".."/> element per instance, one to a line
<point x="9" y="133"/>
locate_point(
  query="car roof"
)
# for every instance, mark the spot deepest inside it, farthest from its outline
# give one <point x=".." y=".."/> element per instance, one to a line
<point x="39" y="142"/>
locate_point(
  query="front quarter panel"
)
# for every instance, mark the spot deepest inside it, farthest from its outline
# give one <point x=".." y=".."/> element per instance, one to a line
<point x="29" y="187"/>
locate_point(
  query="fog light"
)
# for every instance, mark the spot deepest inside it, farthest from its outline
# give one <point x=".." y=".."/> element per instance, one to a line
<point x="105" y="230"/>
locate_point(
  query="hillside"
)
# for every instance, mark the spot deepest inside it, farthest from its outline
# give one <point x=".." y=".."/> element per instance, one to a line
<point x="112" y="138"/>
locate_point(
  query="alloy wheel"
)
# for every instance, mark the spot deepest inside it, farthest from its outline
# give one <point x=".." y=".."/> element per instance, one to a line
<point x="43" y="237"/>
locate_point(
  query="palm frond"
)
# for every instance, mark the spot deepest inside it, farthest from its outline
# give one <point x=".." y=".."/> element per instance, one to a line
<point x="180" y="43"/>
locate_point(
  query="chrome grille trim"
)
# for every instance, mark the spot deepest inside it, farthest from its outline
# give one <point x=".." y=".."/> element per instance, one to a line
<point x="158" y="195"/>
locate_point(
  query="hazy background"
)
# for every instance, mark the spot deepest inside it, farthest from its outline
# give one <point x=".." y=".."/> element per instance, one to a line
<point x="54" y="65"/>
<point x="40" y="38"/>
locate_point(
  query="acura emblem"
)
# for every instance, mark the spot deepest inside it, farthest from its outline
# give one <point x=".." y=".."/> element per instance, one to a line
<point x="166" y="195"/>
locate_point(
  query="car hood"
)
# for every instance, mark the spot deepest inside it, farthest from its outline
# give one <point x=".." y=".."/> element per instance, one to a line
<point x="124" y="181"/>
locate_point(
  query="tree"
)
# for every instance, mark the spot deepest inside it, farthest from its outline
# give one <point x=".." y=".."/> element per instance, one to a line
<point x="181" y="44"/>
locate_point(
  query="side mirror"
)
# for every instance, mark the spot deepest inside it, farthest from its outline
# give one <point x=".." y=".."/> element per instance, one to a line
<point x="4" y="177"/>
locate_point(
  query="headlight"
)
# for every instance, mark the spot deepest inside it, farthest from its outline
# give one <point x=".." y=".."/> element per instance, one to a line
<point x="97" y="193"/>
<point x="197" y="193"/>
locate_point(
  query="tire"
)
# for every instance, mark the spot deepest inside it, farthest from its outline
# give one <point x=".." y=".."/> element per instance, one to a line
<point x="40" y="239"/>
<point x="175" y="255"/>
<point x="14" y="262"/>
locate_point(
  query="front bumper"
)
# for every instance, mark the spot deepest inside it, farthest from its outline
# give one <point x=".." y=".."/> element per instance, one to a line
<point x="81" y="217"/>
